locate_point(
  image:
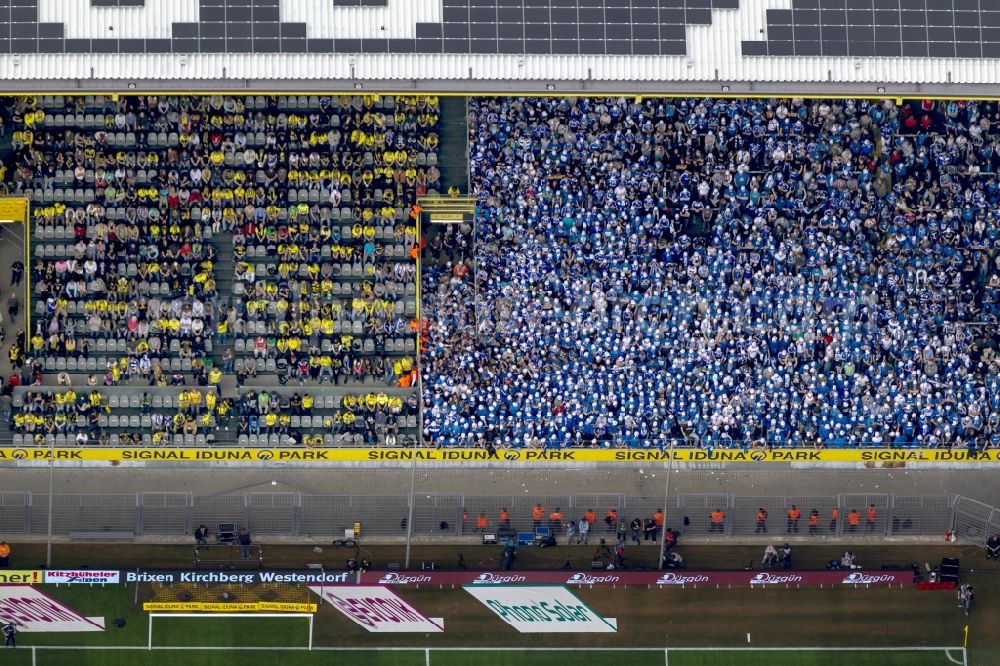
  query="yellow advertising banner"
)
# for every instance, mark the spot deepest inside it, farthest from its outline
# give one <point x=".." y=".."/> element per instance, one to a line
<point x="23" y="576"/>
<point x="513" y="456"/>
<point x="281" y="607"/>
<point x="13" y="210"/>
<point x="235" y="607"/>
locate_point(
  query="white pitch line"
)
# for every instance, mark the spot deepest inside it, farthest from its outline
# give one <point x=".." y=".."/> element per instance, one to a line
<point x="427" y="657"/>
<point x="947" y="653"/>
<point x="480" y="648"/>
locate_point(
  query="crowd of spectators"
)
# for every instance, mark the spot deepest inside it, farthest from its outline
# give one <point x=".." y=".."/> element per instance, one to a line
<point x="136" y="265"/>
<point x="326" y="288"/>
<point x="722" y="273"/>
<point x="91" y="417"/>
<point x="312" y="195"/>
<point x="370" y="418"/>
<point x="307" y="204"/>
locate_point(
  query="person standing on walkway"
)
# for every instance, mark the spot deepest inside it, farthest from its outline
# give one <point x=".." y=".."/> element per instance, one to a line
<point x="13" y="307"/>
<point x="718" y="521"/>
<point x="635" y="527"/>
<point x="537" y="515"/>
<point x="571" y="533"/>
<point x="761" y="521"/>
<point x="834" y="515"/>
<point x="14" y="355"/>
<point x="794" y="514"/>
<point x="556" y="522"/>
<point x="4" y="554"/>
<point x="853" y="520"/>
<point x="245" y="542"/>
<point x="16" y="271"/>
<point x="871" y="518"/>
<point x="813" y="522"/>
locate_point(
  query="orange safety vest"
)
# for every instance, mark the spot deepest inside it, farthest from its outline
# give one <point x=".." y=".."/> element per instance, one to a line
<point x="590" y="517"/>
<point x="613" y="516"/>
<point x="658" y="518"/>
<point x="835" y="514"/>
<point x="854" y="518"/>
<point x="4" y="550"/>
<point x="718" y="517"/>
<point x="537" y="513"/>
<point x="794" y="514"/>
<point x="504" y="517"/>
<point x="761" y="516"/>
<point x="813" y="519"/>
<point x="555" y="517"/>
<point x="482" y="522"/>
<point x="872" y="514"/>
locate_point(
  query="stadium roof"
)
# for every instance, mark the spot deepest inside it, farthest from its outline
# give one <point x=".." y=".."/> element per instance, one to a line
<point x="710" y="46"/>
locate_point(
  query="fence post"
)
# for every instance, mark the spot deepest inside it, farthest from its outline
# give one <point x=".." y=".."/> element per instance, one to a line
<point x="247" y="513"/>
<point x="839" y="503"/>
<point x="27" y="513"/>
<point x="138" y="513"/>
<point x="296" y="514"/>
<point x="730" y="514"/>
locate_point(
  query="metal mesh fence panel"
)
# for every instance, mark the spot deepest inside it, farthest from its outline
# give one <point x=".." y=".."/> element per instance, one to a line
<point x="14" y="509"/>
<point x="214" y="509"/>
<point x="272" y="513"/>
<point x="325" y="515"/>
<point x="696" y="514"/>
<point x="441" y="514"/>
<point x="165" y="513"/>
<point x="84" y="513"/>
<point x="993" y="525"/>
<point x="973" y="520"/>
<point x="380" y="515"/>
<point x="646" y="506"/>
<point x="909" y="502"/>
<point x="873" y="512"/>
<point x="524" y="506"/>
<point x="779" y="521"/>
<point x="491" y="506"/>
<point x="920" y="515"/>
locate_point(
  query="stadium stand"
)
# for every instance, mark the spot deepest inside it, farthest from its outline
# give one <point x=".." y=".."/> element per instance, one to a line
<point x="121" y="416"/>
<point x="706" y="272"/>
<point x="191" y="241"/>
<point x="721" y="273"/>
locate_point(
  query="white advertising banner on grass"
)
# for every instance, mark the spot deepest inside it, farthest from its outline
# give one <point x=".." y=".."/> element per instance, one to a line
<point x="378" y="609"/>
<point x="33" y="610"/>
<point x="81" y="576"/>
<point x="541" y="609"/>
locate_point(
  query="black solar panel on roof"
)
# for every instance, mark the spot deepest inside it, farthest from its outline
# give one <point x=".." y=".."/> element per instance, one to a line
<point x="118" y="3"/>
<point x="915" y="28"/>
